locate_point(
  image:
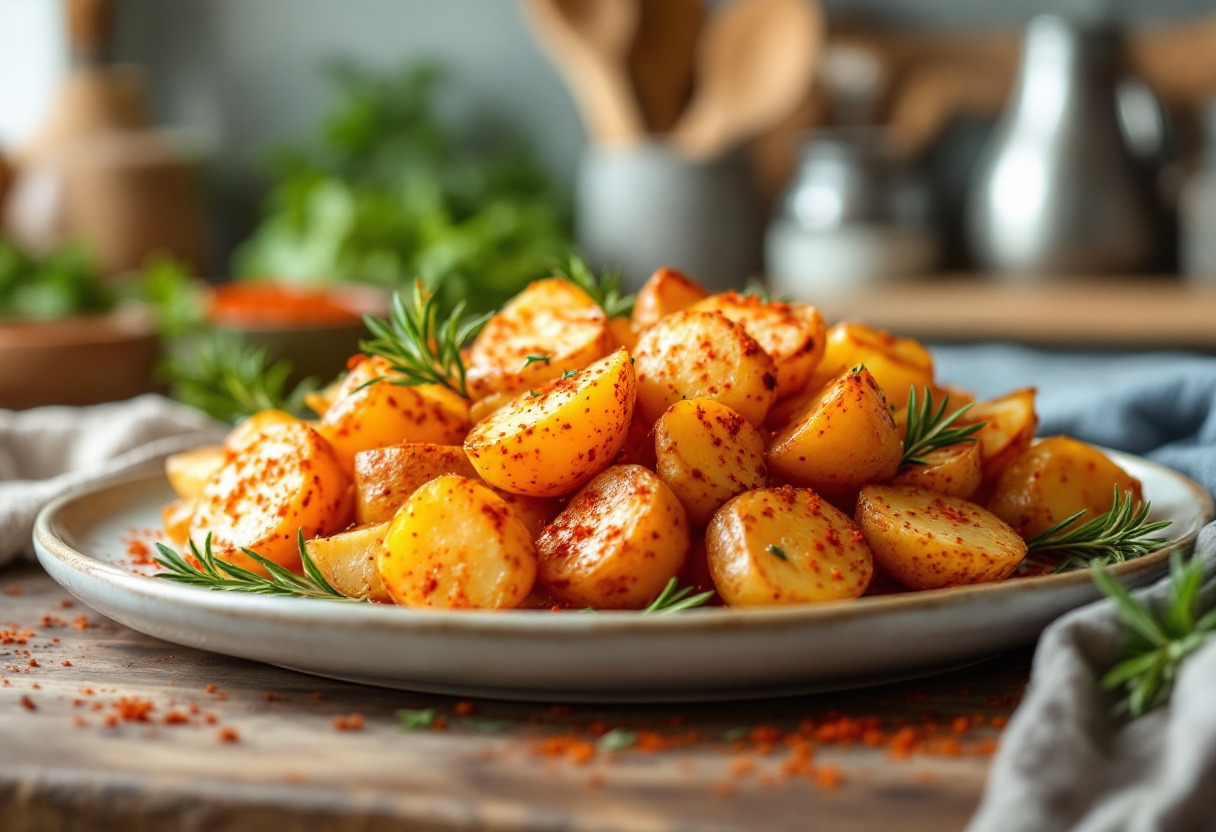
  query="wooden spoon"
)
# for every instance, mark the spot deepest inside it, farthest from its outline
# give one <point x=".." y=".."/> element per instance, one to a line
<point x="662" y="58"/>
<point x="755" y="67"/>
<point x="588" y="41"/>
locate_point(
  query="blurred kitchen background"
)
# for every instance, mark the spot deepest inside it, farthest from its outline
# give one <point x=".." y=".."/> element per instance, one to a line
<point x="1031" y="171"/>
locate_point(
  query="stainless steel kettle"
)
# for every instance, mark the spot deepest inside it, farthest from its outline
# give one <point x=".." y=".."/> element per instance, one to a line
<point x="1057" y="190"/>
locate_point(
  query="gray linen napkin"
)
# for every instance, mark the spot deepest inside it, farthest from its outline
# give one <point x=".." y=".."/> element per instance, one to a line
<point x="1064" y="762"/>
<point x="47" y="451"/>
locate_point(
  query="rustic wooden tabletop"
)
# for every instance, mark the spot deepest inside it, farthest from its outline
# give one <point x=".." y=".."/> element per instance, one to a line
<point x="104" y="728"/>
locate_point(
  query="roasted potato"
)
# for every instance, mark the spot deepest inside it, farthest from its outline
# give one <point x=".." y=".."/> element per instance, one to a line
<point x="666" y="291"/>
<point x="844" y="439"/>
<point x="793" y="336"/>
<point x="623" y="334"/>
<point x="482" y="408"/>
<point x="785" y="546"/>
<point x="246" y="432"/>
<point x="617" y="543"/>
<point x="349" y="561"/>
<point x="384" y="414"/>
<point x="455" y="544"/>
<point x="954" y="471"/>
<point x="386" y="477"/>
<point x="189" y="471"/>
<point x="551" y="318"/>
<point x="690" y="355"/>
<point x="288" y="479"/>
<point x="552" y="440"/>
<point x="897" y="363"/>
<point x="176" y="517"/>
<point x="1010" y="423"/>
<point x="954" y="398"/>
<point x="639" y="444"/>
<point x="1055" y="478"/>
<point x="927" y="540"/>
<point x="707" y="453"/>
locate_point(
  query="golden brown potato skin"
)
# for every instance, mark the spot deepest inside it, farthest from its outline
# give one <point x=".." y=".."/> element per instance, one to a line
<point x="617" y="543"/>
<point x="785" y="546"/>
<point x="386" y="477"/>
<point x="348" y="561"/>
<point x="844" y="439"/>
<point x="927" y="540"/>
<point x="955" y="471"/>
<point x="1010" y="423"/>
<point x="667" y="291"/>
<point x="1054" y="479"/>
<point x="897" y="363"/>
<point x="189" y="471"/>
<point x="708" y="453"/>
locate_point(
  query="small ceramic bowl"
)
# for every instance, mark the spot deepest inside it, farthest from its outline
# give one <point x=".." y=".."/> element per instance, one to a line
<point x="79" y="360"/>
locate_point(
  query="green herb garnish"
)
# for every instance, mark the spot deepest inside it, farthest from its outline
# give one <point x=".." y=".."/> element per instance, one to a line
<point x="776" y="551"/>
<point x="675" y="598"/>
<point x="213" y="573"/>
<point x="569" y="374"/>
<point x="420" y="347"/>
<point x="1118" y="535"/>
<point x="1156" y="644"/>
<point x="618" y="739"/>
<point x="536" y="358"/>
<point x="930" y="430"/>
<point x="604" y="289"/>
<point x="416" y="719"/>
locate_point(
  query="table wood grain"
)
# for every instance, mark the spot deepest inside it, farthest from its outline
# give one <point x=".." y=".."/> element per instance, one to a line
<point x="288" y="767"/>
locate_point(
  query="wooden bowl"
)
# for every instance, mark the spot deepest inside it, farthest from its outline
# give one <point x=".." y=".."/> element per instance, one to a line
<point x="80" y="360"/>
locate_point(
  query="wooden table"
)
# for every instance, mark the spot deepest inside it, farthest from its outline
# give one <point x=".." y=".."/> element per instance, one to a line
<point x="271" y="749"/>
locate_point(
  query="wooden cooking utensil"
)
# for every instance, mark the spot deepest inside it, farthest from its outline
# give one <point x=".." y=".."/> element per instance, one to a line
<point x="755" y="66"/>
<point x="662" y="58"/>
<point x="588" y="41"/>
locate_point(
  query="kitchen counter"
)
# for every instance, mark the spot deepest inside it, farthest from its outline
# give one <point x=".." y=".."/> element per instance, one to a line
<point x="104" y="728"/>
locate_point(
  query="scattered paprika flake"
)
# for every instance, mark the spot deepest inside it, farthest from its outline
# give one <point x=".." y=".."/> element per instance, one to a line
<point x="28" y="703"/>
<point x="464" y="708"/>
<point x="353" y="722"/>
<point x="227" y="735"/>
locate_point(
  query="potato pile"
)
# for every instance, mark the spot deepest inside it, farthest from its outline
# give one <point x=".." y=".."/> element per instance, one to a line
<point x="732" y="443"/>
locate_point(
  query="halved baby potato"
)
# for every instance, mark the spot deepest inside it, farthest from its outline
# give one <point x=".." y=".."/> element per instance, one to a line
<point x="553" y="319"/>
<point x="785" y="546"/>
<point x="897" y="363"/>
<point x="844" y="439"/>
<point x="1010" y="423"/>
<point x="617" y="544"/>
<point x="954" y="470"/>
<point x="667" y="291"/>
<point x="189" y="471"/>
<point x="383" y="414"/>
<point x="927" y="540"/>
<point x="348" y="561"/>
<point x="1055" y="478"/>
<point x="707" y="453"/>
<point x="288" y="480"/>
<point x="793" y="336"/>
<point x="247" y="430"/>
<point x="455" y="544"/>
<point x="689" y="355"/>
<point x="386" y="477"/>
<point x="550" y="441"/>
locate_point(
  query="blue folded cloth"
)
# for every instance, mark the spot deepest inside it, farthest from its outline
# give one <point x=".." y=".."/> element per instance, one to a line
<point x="1065" y="762"/>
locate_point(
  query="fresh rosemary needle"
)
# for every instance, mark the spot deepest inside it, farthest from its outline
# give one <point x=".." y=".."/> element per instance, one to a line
<point x="214" y="573"/>
<point x="1155" y="645"/>
<point x="675" y="598"/>
<point x="416" y="344"/>
<point x="1118" y="535"/>
<point x="604" y="289"/>
<point x="930" y="429"/>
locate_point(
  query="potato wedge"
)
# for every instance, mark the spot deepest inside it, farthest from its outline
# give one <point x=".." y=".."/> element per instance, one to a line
<point x="785" y="546"/>
<point x="844" y="439"/>
<point x="1055" y="478"/>
<point x="667" y="291"/>
<point x="793" y="336"/>
<point x="287" y="480"/>
<point x="707" y="453"/>
<point x="617" y="543"/>
<point x="348" y="561"/>
<point x="1010" y="425"/>
<point x="176" y="517"/>
<point x="383" y="414"/>
<point x="245" y="433"/>
<point x="320" y="401"/>
<point x="927" y="540"/>
<point x="482" y="408"/>
<point x="456" y="545"/>
<point x="189" y="471"/>
<point x="623" y="334"/>
<point x="550" y="443"/>
<point x="386" y="477"/>
<point x="552" y="318"/>
<point x="897" y="363"/>
<point x="954" y="471"/>
<point x="689" y="355"/>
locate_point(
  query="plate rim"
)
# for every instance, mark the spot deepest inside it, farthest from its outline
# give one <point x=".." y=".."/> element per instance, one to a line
<point x="490" y="623"/>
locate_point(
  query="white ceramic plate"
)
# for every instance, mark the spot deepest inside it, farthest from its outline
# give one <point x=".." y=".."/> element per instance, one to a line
<point x="82" y="540"/>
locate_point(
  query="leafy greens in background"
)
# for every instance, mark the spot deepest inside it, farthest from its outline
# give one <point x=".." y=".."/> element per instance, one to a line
<point x="58" y="284"/>
<point x="395" y="194"/>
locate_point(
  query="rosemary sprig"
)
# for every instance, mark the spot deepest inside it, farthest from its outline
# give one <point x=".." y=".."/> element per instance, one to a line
<point x="228" y="379"/>
<point x="757" y="289"/>
<point x="1155" y="645"/>
<point x="931" y="429"/>
<point x="604" y="289"/>
<point x="675" y="598"/>
<point x="416" y="344"/>
<point x="1118" y="535"/>
<point x="213" y="573"/>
